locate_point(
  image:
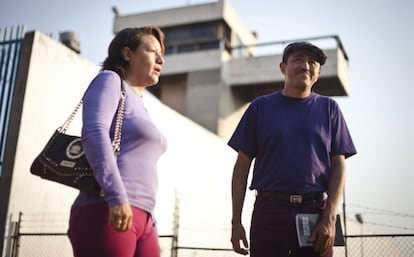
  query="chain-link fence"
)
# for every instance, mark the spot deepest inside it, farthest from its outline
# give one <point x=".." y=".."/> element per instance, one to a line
<point x="55" y="244"/>
<point x="44" y="235"/>
<point x="395" y="245"/>
<point x="41" y="245"/>
<point x="48" y="244"/>
<point x="356" y="246"/>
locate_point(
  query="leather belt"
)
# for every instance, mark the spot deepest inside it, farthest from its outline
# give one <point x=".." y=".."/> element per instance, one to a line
<point x="293" y="198"/>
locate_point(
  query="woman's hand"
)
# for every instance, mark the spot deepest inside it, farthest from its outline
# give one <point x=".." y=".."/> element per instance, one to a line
<point x="120" y="217"/>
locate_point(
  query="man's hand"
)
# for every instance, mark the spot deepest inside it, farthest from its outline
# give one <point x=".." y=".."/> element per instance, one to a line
<point x="239" y="234"/>
<point x="120" y="217"/>
<point x="324" y="235"/>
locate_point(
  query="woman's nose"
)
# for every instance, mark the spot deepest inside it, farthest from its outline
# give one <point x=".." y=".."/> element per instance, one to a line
<point x="160" y="59"/>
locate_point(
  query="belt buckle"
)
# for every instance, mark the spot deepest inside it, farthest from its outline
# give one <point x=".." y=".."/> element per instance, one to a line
<point x="295" y="199"/>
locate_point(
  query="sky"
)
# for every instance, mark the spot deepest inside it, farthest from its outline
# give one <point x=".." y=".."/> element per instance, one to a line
<point x="377" y="36"/>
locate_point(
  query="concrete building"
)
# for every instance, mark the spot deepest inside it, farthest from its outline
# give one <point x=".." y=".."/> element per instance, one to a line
<point x="214" y="66"/>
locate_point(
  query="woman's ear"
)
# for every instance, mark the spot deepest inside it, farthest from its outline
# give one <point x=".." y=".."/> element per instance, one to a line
<point x="126" y="54"/>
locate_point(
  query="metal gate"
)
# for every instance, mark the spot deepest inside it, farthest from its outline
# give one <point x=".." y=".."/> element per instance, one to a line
<point x="10" y="41"/>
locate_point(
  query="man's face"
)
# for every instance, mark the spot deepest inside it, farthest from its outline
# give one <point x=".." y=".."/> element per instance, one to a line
<point x="301" y="70"/>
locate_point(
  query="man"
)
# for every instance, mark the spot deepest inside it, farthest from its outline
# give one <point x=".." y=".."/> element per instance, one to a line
<point x="298" y="141"/>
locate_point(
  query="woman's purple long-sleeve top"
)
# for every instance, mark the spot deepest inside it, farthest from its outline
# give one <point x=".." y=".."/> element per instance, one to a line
<point x="132" y="176"/>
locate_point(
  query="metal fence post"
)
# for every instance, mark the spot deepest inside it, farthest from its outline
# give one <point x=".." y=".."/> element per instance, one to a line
<point x="16" y="237"/>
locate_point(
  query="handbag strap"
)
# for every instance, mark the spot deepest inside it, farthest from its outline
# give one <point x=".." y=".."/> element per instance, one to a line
<point x="116" y="144"/>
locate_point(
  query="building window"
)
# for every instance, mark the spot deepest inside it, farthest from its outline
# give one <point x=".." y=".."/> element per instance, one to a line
<point x="196" y="37"/>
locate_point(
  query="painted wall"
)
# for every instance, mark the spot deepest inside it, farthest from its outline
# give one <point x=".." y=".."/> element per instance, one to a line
<point x="55" y="80"/>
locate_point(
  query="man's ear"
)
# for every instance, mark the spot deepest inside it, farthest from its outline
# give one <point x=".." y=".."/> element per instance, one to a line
<point x="319" y="72"/>
<point x="282" y="67"/>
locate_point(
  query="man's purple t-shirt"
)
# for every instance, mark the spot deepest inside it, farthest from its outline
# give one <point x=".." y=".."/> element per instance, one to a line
<point x="292" y="141"/>
<point x="132" y="176"/>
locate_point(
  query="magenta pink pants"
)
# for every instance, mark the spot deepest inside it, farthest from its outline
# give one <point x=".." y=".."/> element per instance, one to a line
<point x="91" y="234"/>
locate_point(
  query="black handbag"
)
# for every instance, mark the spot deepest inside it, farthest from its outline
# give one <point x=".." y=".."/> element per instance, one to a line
<point x="63" y="159"/>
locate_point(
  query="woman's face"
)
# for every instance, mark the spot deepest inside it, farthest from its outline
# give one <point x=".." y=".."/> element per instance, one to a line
<point x="145" y="63"/>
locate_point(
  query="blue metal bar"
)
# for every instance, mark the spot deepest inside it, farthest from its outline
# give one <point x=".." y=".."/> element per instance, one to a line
<point x="11" y="72"/>
<point x="9" y="58"/>
<point x="3" y="64"/>
<point x="3" y="81"/>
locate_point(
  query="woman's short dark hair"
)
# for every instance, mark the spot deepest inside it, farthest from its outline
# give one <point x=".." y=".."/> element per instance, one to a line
<point x="132" y="38"/>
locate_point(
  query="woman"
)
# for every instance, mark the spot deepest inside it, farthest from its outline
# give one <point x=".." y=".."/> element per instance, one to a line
<point x="120" y="223"/>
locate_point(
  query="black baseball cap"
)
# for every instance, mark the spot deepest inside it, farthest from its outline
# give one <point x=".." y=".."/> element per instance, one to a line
<point x="319" y="55"/>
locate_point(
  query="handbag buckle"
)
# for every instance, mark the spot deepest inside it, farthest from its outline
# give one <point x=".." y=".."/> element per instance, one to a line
<point x="295" y="199"/>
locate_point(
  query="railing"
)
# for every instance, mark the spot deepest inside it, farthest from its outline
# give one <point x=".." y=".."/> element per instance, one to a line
<point x="277" y="46"/>
<point x="10" y="41"/>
